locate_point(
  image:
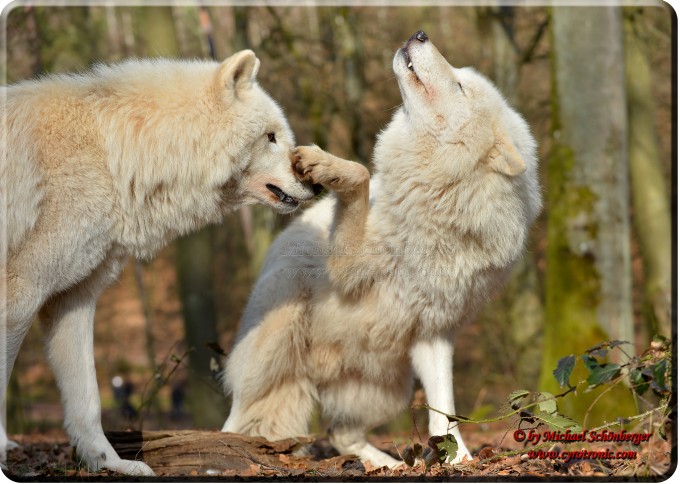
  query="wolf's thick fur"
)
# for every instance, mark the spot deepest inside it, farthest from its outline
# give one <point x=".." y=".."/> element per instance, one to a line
<point x="118" y="162"/>
<point x="354" y="296"/>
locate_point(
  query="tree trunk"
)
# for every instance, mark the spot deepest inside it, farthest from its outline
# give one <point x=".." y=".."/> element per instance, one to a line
<point x="156" y="27"/>
<point x="588" y="273"/>
<point x="348" y="39"/>
<point x="64" y="38"/>
<point x="496" y="28"/>
<point x="195" y="260"/>
<point x="520" y="305"/>
<point x="651" y="205"/>
<point x="195" y="274"/>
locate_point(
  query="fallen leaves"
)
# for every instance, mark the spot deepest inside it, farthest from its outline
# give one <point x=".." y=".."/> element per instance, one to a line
<point x="38" y="458"/>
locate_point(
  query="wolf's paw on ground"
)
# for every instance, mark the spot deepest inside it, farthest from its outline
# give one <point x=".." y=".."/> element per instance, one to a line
<point x="9" y="445"/>
<point x="129" y="467"/>
<point x="5" y="445"/>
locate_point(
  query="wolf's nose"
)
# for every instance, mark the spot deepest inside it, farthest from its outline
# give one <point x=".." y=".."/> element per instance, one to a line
<point x="420" y="36"/>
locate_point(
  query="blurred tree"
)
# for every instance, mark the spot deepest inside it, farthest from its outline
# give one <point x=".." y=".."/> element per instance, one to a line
<point x="65" y="38"/>
<point x="347" y="35"/>
<point x="521" y="303"/>
<point x="195" y="259"/>
<point x="155" y="28"/>
<point x="588" y="273"/>
<point x="496" y="28"/>
<point x="651" y="203"/>
<point x="232" y="238"/>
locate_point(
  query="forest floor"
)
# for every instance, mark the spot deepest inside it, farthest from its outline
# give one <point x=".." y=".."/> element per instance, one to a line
<point x="496" y="455"/>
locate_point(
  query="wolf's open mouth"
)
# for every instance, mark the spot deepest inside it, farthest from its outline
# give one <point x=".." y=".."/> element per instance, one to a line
<point x="409" y="62"/>
<point x="282" y="196"/>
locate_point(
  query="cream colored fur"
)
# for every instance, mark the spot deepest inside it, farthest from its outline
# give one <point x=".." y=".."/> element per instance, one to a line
<point x="117" y="162"/>
<point x="356" y="297"/>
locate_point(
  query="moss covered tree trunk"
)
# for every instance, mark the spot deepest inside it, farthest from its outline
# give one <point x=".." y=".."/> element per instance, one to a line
<point x="588" y="274"/>
<point x="651" y="202"/>
<point x="195" y="259"/>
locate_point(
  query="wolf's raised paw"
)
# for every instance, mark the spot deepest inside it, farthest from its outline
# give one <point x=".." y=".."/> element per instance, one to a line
<point x="316" y="166"/>
<point x="313" y="165"/>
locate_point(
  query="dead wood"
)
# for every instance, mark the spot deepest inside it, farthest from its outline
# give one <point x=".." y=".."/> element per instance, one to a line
<point x="178" y="452"/>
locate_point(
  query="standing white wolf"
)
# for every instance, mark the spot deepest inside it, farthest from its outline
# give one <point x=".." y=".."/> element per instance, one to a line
<point x="454" y="193"/>
<point x="118" y="162"/>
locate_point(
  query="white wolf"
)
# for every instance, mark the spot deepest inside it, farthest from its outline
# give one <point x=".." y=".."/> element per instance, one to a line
<point x="354" y="295"/>
<point x="118" y="162"/>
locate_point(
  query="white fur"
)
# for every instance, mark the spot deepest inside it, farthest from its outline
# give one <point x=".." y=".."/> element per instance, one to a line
<point x="455" y="191"/>
<point x="112" y="163"/>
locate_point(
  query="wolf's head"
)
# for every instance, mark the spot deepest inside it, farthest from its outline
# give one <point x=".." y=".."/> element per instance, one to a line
<point x="456" y="155"/>
<point x="264" y="138"/>
<point x="456" y="117"/>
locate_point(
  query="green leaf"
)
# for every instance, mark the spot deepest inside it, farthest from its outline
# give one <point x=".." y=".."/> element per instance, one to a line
<point x="558" y="422"/>
<point x="603" y="373"/>
<point x="600" y="373"/>
<point x="408" y="456"/>
<point x="598" y="350"/>
<point x="457" y="418"/>
<point x="590" y="362"/>
<point x="659" y="377"/>
<point x="447" y="447"/>
<point x="430" y="457"/>
<point x="602" y="348"/>
<point x="547" y="404"/>
<point x="517" y="396"/>
<point x="660" y="342"/>
<point x="563" y="371"/>
<point x="638" y="381"/>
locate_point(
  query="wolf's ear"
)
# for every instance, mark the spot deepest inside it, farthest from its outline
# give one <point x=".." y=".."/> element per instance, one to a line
<point x="239" y="70"/>
<point x="504" y="158"/>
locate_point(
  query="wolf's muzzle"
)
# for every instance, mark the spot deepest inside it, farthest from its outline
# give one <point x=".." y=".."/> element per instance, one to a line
<point x="420" y="36"/>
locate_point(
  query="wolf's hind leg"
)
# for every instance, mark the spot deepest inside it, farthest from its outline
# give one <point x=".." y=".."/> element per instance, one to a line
<point x="68" y="321"/>
<point x="282" y="413"/>
<point x="265" y="372"/>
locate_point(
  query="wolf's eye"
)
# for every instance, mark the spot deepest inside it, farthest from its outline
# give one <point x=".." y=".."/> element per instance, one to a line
<point x="271" y="137"/>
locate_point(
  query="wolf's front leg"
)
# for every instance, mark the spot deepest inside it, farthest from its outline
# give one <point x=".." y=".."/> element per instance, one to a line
<point x="349" y="440"/>
<point x="432" y="360"/>
<point x="349" y="180"/>
<point x="68" y="320"/>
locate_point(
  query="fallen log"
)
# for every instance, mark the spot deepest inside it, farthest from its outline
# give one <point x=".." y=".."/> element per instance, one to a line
<point x="191" y="452"/>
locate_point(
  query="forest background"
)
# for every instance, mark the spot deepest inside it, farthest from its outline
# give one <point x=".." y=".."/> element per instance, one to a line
<point x="596" y="86"/>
